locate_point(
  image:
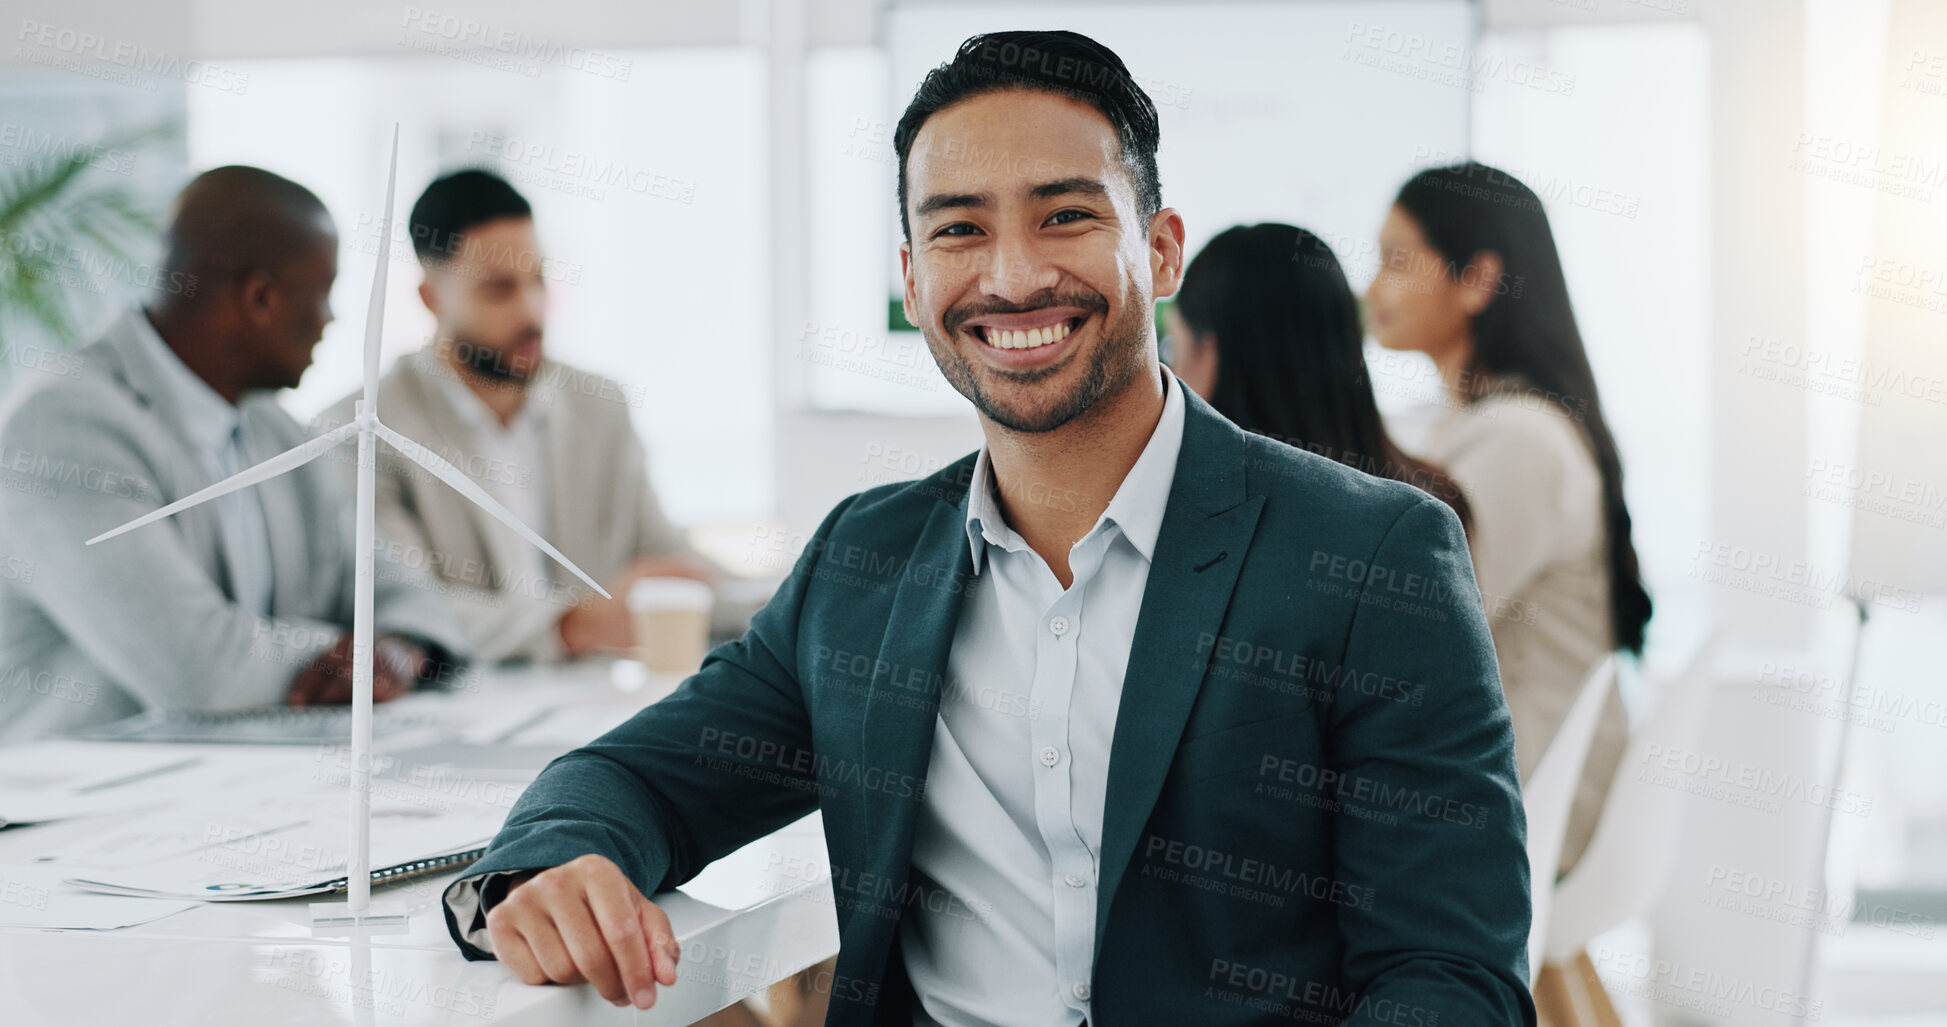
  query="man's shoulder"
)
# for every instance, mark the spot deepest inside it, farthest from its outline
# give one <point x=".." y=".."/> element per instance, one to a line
<point x="85" y="390"/>
<point x="399" y="392"/>
<point x="886" y="521"/>
<point x="907" y="504"/>
<point x="873" y="542"/>
<point x="577" y="381"/>
<point x="1319" y="489"/>
<point x="87" y="431"/>
<point x="588" y="396"/>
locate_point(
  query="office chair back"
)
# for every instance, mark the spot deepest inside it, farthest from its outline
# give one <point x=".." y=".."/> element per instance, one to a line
<point x="1549" y="794"/>
<point x="1622" y="871"/>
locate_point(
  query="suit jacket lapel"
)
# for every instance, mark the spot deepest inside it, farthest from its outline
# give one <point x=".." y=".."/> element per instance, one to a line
<point x="896" y="734"/>
<point x="134" y="365"/>
<point x="1207" y="529"/>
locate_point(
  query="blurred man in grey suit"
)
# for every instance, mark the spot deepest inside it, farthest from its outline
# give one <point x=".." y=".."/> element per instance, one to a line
<point x="552" y="443"/>
<point x="245" y="601"/>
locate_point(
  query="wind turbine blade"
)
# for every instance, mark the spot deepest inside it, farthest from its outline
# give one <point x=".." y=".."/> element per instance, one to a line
<point x="464" y="486"/>
<point x="375" y="309"/>
<point x="295" y="457"/>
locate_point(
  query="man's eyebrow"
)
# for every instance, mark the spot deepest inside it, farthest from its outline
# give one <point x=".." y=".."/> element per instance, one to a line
<point x="950" y="201"/>
<point x="1047" y="190"/>
<point x="1068" y="186"/>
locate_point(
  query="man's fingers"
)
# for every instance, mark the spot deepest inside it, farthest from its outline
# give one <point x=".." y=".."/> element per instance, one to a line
<point x="386" y="688"/>
<point x="533" y="910"/>
<point x="587" y="947"/>
<point x="335" y="693"/>
<point x="662" y="939"/>
<point x="586" y="921"/>
<point x="612" y="897"/>
<point x="300" y="693"/>
<point x="512" y="950"/>
<point x="544" y="940"/>
<point x="317" y="688"/>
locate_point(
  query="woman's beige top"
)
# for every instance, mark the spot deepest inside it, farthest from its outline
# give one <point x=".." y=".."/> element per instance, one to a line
<point x="1540" y="554"/>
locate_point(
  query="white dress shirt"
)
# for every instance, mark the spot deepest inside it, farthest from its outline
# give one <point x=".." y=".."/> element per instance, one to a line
<point x="1012" y="822"/>
<point x="508" y="461"/>
<point x="215" y="429"/>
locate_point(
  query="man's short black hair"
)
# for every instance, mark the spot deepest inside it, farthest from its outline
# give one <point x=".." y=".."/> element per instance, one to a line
<point x="1064" y="63"/>
<point x="456" y="202"/>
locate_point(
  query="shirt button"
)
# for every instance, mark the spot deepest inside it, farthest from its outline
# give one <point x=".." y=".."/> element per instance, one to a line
<point x="1050" y="756"/>
<point x="1059" y="626"/>
<point x="1075" y="880"/>
<point x="1081" y="992"/>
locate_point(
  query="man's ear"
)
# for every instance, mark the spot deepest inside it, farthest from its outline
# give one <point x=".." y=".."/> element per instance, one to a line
<point x="906" y="274"/>
<point x="1483" y="281"/>
<point x="257" y="299"/>
<point x="1165" y="252"/>
<point x="429" y="297"/>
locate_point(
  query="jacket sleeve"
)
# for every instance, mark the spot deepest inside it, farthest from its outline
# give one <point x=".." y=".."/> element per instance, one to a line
<point x="684" y="782"/>
<point x="140" y="606"/>
<point x="1447" y="933"/>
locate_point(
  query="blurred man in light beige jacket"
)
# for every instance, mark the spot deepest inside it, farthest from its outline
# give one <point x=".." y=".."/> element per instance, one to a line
<point x="552" y="443"/>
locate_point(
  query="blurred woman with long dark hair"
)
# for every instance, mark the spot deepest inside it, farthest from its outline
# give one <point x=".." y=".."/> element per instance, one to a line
<point x="1266" y="329"/>
<point x="1470" y="276"/>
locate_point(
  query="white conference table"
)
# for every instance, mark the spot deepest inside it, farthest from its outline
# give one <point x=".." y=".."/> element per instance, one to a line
<point x="749" y="920"/>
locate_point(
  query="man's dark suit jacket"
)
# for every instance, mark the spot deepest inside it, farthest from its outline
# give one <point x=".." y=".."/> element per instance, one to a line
<point x="1312" y="808"/>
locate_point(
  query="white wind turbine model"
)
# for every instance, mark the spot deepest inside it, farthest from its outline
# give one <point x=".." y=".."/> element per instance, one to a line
<point x="358" y="912"/>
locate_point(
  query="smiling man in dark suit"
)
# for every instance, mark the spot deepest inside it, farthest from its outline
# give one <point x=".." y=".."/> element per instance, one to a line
<point x="1128" y="718"/>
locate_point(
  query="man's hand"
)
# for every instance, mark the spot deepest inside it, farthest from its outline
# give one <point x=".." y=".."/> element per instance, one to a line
<point x="585" y="921"/>
<point x="598" y="625"/>
<point x="328" y="678"/>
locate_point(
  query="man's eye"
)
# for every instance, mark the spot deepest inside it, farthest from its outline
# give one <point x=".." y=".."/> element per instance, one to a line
<point x="957" y="228"/>
<point x="1061" y="217"/>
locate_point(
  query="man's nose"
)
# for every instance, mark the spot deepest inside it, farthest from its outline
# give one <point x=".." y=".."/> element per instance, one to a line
<point x="1017" y="269"/>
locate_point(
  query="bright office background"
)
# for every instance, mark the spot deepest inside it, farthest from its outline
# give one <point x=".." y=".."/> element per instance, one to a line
<point x="1748" y="195"/>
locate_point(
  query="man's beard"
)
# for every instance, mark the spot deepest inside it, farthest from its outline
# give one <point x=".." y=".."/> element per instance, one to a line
<point x="492" y="364"/>
<point x="1111" y="366"/>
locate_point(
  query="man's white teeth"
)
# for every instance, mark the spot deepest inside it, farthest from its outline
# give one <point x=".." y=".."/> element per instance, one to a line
<point x="1005" y="339"/>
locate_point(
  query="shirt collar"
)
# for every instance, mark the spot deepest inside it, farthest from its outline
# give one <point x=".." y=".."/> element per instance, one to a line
<point x="208" y="418"/>
<point x="1136" y="509"/>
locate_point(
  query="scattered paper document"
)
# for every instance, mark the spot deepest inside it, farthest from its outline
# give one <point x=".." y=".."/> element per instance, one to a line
<point x="34" y="896"/>
<point x="59" y="780"/>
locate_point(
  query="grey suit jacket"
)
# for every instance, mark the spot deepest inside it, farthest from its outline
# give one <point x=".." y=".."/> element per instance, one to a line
<point x="149" y="620"/>
<point x="603" y="509"/>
